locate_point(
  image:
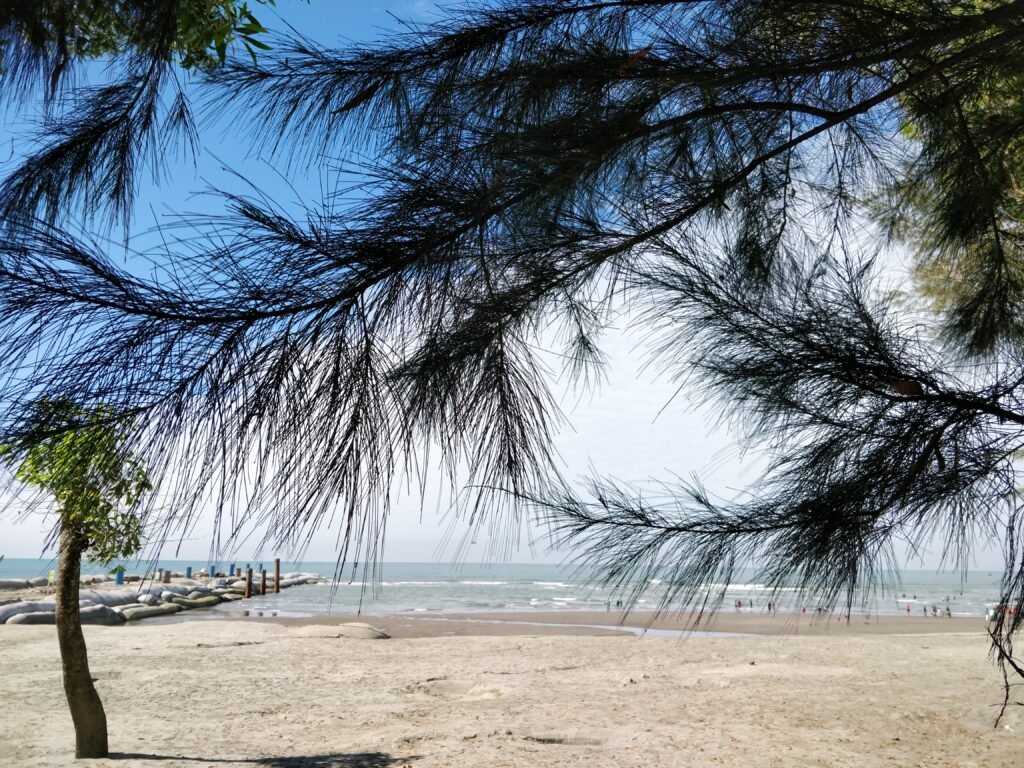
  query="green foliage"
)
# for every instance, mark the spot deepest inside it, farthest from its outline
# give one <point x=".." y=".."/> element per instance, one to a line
<point x="78" y="455"/>
<point x="958" y="203"/>
<point x="95" y="28"/>
<point x="93" y="142"/>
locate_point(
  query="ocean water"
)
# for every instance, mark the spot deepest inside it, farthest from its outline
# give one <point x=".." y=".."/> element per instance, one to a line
<point x="442" y="587"/>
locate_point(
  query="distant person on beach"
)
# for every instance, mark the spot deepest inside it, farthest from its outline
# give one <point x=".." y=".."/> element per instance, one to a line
<point x="949" y="613"/>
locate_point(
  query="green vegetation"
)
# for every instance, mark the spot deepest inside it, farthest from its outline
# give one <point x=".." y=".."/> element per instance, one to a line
<point x="94" y="139"/>
<point x="89" y="29"/>
<point x="78" y="457"/>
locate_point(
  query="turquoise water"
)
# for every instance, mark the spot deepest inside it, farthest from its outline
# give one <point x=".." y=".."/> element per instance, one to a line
<point x="437" y="588"/>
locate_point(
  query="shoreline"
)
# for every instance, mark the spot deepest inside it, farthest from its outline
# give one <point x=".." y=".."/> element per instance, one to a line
<point x="577" y="622"/>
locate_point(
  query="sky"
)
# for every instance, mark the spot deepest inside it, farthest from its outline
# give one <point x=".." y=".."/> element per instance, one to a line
<point x="636" y="426"/>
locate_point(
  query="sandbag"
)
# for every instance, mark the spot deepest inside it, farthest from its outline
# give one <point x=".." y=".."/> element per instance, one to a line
<point x="25" y="606"/>
<point x="39" y="581"/>
<point x="159" y="590"/>
<point x="111" y="597"/>
<point x="166" y="591"/>
<point x="197" y="593"/>
<point x="89" y="597"/>
<point x="122" y="608"/>
<point x="149" y="611"/>
<point x="101" y="615"/>
<point x="201" y="602"/>
<point x="37" y="617"/>
<point x="96" y="615"/>
<point x="15" y="584"/>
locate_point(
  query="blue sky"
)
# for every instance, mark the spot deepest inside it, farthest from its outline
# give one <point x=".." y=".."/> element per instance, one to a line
<point x="635" y="427"/>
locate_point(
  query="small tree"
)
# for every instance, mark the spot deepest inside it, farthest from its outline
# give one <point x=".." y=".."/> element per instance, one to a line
<point x="78" y="456"/>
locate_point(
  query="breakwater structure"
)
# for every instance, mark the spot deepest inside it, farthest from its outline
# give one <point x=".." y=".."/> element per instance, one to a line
<point x="112" y="602"/>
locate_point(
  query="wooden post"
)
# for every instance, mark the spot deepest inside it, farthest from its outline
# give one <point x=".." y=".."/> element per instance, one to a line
<point x="277" y="574"/>
<point x="248" y="582"/>
<point x="263" y="581"/>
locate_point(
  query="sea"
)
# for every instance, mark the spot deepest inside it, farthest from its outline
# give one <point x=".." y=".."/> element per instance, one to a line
<point x="446" y="587"/>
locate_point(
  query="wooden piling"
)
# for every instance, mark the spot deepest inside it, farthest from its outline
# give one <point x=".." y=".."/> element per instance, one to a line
<point x="277" y="574"/>
<point x="263" y="582"/>
<point x="248" y="582"/>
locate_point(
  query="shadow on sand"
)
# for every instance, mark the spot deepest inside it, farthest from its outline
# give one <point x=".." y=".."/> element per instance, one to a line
<point x="337" y="760"/>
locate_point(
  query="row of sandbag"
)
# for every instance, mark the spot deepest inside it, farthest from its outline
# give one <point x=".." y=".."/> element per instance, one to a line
<point x="110" y="607"/>
<point x="41" y="581"/>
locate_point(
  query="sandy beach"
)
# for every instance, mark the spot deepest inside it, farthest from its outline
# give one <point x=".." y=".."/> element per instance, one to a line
<point x="445" y="692"/>
<point x="411" y="625"/>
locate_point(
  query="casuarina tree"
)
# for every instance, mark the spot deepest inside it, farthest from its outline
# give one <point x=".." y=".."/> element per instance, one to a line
<point x="725" y="171"/>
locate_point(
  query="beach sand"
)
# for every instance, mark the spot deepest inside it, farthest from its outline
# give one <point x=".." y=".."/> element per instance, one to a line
<point x="409" y="625"/>
<point x="287" y="694"/>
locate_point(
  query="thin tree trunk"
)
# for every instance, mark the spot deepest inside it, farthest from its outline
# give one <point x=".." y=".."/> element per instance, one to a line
<point x="84" y="702"/>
